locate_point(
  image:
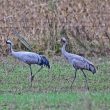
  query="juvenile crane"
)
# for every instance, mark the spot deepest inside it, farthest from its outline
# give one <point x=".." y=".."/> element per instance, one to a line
<point x="29" y="58"/>
<point x="78" y="62"/>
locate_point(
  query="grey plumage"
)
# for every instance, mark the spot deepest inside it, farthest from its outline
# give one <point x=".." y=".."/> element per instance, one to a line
<point x="78" y="62"/>
<point x="28" y="58"/>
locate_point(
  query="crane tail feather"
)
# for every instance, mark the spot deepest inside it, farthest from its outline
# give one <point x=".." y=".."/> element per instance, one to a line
<point x="44" y="61"/>
<point x="92" y="68"/>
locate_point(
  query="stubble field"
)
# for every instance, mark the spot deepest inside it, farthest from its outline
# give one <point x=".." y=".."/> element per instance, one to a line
<point x="51" y="88"/>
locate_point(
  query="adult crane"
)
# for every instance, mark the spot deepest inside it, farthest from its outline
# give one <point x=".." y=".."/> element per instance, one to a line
<point x="29" y="58"/>
<point x="78" y="62"/>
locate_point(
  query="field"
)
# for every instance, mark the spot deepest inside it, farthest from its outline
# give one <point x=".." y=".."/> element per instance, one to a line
<point x="51" y="88"/>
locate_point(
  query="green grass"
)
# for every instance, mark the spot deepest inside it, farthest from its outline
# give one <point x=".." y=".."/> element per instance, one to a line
<point x="51" y="89"/>
<point x="77" y="101"/>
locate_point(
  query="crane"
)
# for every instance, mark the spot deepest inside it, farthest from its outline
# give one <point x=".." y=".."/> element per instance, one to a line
<point x="78" y="62"/>
<point x="28" y="58"/>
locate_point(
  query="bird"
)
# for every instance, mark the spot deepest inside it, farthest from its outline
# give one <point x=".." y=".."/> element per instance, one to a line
<point x="28" y="58"/>
<point x="77" y="61"/>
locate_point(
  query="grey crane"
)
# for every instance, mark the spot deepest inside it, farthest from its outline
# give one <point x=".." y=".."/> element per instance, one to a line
<point x="29" y="58"/>
<point x="78" y="62"/>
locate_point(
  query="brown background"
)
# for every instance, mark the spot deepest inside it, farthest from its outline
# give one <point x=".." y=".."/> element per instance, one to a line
<point x="42" y="22"/>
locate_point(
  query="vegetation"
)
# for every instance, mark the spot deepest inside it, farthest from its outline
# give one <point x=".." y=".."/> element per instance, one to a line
<point x="51" y="89"/>
<point x="42" y="22"/>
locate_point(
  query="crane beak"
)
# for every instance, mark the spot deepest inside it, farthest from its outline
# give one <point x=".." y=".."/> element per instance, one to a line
<point x="58" y="41"/>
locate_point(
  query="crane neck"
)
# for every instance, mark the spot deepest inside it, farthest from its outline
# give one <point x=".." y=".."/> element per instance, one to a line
<point x="10" y="49"/>
<point x="63" y="48"/>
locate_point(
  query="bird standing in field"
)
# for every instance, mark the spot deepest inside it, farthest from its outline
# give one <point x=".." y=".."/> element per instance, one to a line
<point x="78" y="62"/>
<point x="29" y="58"/>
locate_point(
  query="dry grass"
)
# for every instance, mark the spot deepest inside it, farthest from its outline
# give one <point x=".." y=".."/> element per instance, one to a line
<point x="42" y="22"/>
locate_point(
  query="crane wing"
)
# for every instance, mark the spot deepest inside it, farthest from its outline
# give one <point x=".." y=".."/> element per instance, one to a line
<point x="78" y="58"/>
<point x="78" y="64"/>
<point x="82" y="63"/>
<point x="28" y="57"/>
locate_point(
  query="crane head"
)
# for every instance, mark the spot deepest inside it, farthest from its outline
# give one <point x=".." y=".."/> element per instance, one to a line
<point x="9" y="42"/>
<point x="63" y="40"/>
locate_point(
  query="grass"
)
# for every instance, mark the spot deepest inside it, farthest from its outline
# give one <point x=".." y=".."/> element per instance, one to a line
<point x="51" y="89"/>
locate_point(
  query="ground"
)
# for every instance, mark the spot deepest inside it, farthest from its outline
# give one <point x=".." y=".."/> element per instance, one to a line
<point x="51" y="88"/>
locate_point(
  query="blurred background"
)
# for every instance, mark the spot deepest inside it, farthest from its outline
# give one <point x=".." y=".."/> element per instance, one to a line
<point x="37" y="25"/>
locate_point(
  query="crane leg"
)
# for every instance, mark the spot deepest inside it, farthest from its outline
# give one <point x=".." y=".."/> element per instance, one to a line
<point x="85" y="79"/>
<point x="31" y="75"/>
<point x="73" y="78"/>
<point x="36" y="72"/>
<point x="39" y="69"/>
